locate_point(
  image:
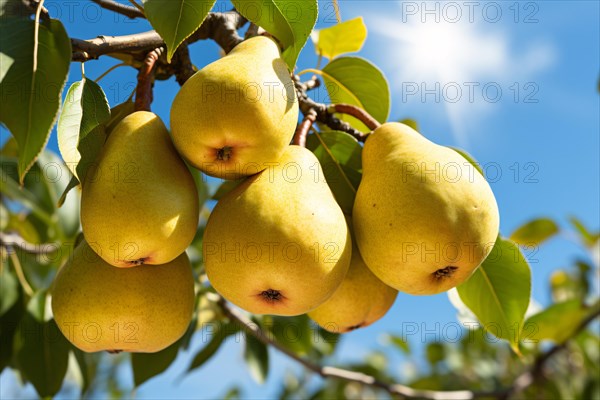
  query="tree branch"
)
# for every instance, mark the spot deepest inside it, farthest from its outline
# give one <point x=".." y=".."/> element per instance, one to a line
<point x="521" y="383"/>
<point x="221" y="27"/>
<point x="124" y="9"/>
<point x="13" y="239"/>
<point x="323" y="114"/>
<point x="357" y="113"/>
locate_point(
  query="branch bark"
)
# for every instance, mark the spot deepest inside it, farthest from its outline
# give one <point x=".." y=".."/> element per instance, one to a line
<point x="221" y="27"/>
<point x="521" y="383"/>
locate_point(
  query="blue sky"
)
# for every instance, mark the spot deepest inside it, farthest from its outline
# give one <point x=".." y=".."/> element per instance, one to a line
<point x="532" y="119"/>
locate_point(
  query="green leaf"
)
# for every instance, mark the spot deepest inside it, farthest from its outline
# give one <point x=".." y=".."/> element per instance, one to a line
<point x="345" y="37"/>
<point x="400" y="343"/>
<point x="91" y="146"/>
<point x="295" y="333"/>
<point x="224" y="188"/>
<point x="215" y="338"/>
<point x="148" y="365"/>
<point x="84" y="109"/>
<point x="176" y="20"/>
<point x="498" y="292"/>
<point x="9" y="288"/>
<point x="257" y="358"/>
<point x="32" y="92"/>
<point x="87" y="364"/>
<point x="37" y="306"/>
<point x="410" y="122"/>
<point x="558" y="322"/>
<point x="535" y="232"/>
<point x="353" y="80"/>
<point x="9" y="322"/>
<point x="289" y="21"/>
<point x="42" y="355"/>
<point x="588" y="238"/>
<point x="469" y="158"/>
<point x="435" y="353"/>
<point x="340" y="157"/>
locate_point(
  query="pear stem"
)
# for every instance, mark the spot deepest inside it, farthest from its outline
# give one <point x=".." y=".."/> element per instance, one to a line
<point x="521" y="382"/>
<point x="302" y="130"/>
<point x="143" y="91"/>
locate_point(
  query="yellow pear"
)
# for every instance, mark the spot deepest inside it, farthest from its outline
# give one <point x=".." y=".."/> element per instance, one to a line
<point x="278" y="243"/>
<point x="424" y="217"/>
<point x="236" y="116"/>
<point x="360" y="300"/>
<point x="142" y="309"/>
<point x="140" y="205"/>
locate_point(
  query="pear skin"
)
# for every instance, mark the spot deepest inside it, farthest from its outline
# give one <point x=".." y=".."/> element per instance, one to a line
<point x="424" y="218"/>
<point x="140" y="206"/>
<point x="360" y="300"/>
<point x="278" y="243"/>
<point x="235" y="116"/>
<point x="142" y="309"/>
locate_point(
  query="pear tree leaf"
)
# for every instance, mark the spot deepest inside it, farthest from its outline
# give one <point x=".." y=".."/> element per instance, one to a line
<point x="84" y="109"/>
<point x="499" y="291"/>
<point x="469" y="158"/>
<point x="289" y="21"/>
<point x="400" y="343"/>
<point x="558" y="322"/>
<point x="340" y="157"/>
<point x="213" y="339"/>
<point x="345" y="37"/>
<point x="176" y="20"/>
<point x="91" y="146"/>
<point x="224" y="188"/>
<point x="9" y="322"/>
<point x="356" y="81"/>
<point x="256" y="355"/>
<point x="148" y="365"/>
<point x="535" y="232"/>
<point x="9" y="288"/>
<point x="294" y="333"/>
<point x="588" y="238"/>
<point x="410" y="122"/>
<point x="42" y="354"/>
<point x="32" y="83"/>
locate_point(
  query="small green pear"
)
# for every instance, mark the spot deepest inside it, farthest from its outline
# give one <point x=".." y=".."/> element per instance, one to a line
<point x="360" y="300"/>
<point x="141" y="309"/>
<point x="140" y="205"/>
<point x="278" y="243"/>
<point x="424" y="217"/>
<point x="236" y="116"/>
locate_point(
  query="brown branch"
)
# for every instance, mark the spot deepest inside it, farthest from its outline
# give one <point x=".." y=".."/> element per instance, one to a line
<point x="357" y="113"/>
<point x="323" y="114"/>
<point x="184" y="67"/>
<point x="124" y="9"/>
<point x="221" y="27"/>
<point x="521" y="383"/>
<point x="143" y="91"/>
<point x="303" y="128"/>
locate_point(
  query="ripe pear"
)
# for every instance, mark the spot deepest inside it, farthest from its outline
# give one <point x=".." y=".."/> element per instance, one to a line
<point x="142" y="309"/>
<point x="236" y="116"/>
<point x="424" y="217"/>
<point x="278" y="243"/>
<point x="360" y="300"/>
<point x="140" y="206"/>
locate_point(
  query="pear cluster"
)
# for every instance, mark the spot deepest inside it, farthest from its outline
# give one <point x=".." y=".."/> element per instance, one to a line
<point x="278" y="243"/>
<point x="129" y="285"/>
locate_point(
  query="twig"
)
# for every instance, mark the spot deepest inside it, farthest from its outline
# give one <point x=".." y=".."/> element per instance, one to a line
<point x="15" y="240"/>
<point x="303" y="128"/>
<point x="108" y="71"/>
<point x="519" y="384"/>
<point x="20" y="273"/>
<point x="528" y="378"/>
<point x="143" y="91"/>
<point x="185" y="68"/>
<point x="308" y="105"/>
<point x="33" y="6"/>
<point x="124" y="9"/>
<point x="357" y="113"/>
